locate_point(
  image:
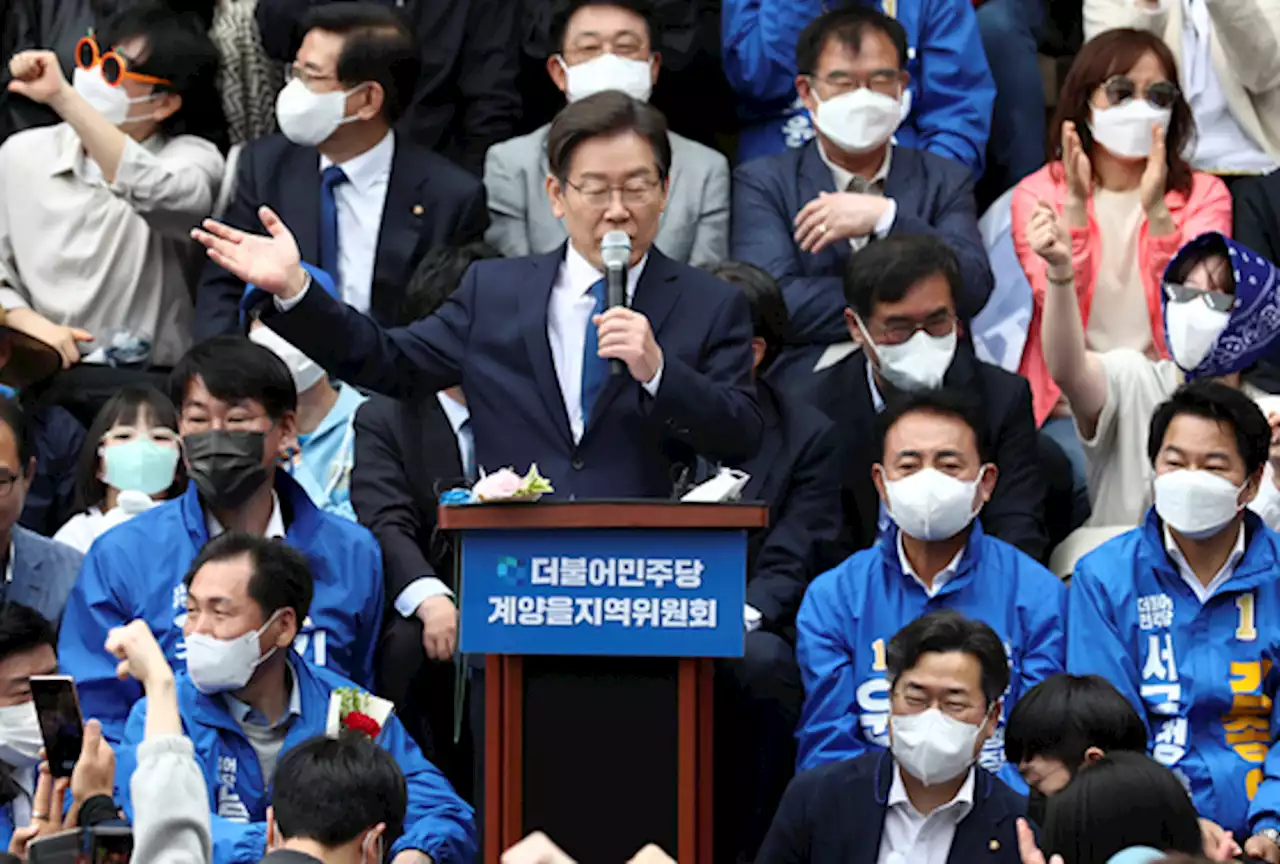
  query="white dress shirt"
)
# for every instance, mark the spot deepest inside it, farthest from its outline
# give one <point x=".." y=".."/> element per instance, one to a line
<point x="945" y="575"/>
<point x="911" y="838"/>
<point x="1204" y="592"/>
<point x="360" y="203"/>
<point x="275" y="525"/>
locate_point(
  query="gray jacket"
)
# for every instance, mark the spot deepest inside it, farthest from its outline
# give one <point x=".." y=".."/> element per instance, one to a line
<point x="695" y="226"/>
<point x="171" y="823"/>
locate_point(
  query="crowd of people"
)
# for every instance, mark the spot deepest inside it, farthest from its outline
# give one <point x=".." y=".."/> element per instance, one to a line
<point x="275" y="273"/>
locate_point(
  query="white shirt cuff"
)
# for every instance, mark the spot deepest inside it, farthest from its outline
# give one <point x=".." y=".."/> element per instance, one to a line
<point x="11" y="299"/>
<point x="408" y="601"/>
<point x="885" y="223"/>
<point x="751" y="618"/>
<point x="286" y="305"/>
<point x="651" y="386"/>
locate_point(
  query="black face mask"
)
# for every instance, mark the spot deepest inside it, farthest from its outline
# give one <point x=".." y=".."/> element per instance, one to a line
<point x="226" y="466"/>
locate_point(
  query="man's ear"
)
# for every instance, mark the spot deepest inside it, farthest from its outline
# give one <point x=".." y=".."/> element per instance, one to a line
<point x="1092" y="755"/>
<point x="1252" y="486"/>
<point x="558" y="75"/>
<point x="987" y="485"/>
<point x="804" y="89"/>
<point x="877" y="478"/>
<point x="655" y="65"/>
<point x="993" y="718"/>
<point x="273" y="839"/>
<point x="555" y="196"/>
<point x="851" y="324"/>
<point x="169" y="104"/>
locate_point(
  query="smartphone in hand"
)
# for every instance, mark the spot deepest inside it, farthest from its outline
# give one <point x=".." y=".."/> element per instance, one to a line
<point x="61" y="723"/>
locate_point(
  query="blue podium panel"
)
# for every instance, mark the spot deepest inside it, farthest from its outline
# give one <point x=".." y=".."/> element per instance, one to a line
<point x="636" y="592"/>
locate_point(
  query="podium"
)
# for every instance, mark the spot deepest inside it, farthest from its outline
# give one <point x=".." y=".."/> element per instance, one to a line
<point x="599" y="622"/>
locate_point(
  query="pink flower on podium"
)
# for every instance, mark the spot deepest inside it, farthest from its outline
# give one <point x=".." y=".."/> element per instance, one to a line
<point x="507" y="485"/>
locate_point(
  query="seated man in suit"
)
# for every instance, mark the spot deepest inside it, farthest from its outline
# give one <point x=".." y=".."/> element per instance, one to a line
<point x="530" y="338"/>
<point x="796" y="472"/>
<point x="247" y="700"/>
<point x="606" y="45"/>
<point x="238" y="419"/>
<point x="364" y="202"/>
<point x="406" y="454"/>
<point x="800" y="214"/>
<point x="945" y="678"/>
<point x="934" y="474"/>
<point x="902" y="295"/>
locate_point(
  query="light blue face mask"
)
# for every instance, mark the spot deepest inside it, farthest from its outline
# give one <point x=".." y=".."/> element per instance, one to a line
<point x="140" y="465"/>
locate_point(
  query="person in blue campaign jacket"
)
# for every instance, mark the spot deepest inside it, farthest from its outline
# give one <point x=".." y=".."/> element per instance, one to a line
<point x="237" y="421"/>
<point x="934" y="477"/>
<point x="246" y="699"/>
<point x="1182" y="614"/>
<point x="947" y="106"/>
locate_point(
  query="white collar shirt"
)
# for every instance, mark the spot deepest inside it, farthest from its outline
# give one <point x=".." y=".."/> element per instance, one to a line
<point x="361" y="201"/>
<point x="912" y="838"/>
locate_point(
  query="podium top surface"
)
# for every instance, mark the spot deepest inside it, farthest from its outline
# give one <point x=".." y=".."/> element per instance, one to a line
<point x="630" y="513"/>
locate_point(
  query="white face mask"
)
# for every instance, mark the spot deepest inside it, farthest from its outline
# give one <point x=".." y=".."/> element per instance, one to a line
<point x="859" y="121"/>
<point x="1125" y="129"/>
<point x="111" y="102"/>
<point x="608" y="72"/>
<point x="930" y="505"/>
<point x="1196" y="504"/>
<point x="305" y="371"/>
<point x="308" y="118"/>
<point x="218" y="666"/>
<point x="20" y="737"/>
<point x="932" y="746"/>
<point x="920" y="363"/>
<point x="1192" y="329"/>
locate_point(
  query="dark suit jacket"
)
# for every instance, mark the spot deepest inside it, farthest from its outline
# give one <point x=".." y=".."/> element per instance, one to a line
<point x="1015" y="512"/>
<point x="934" y="196"/>
<point x="59" y="438"/>
<point x="491" y="337"/>
<point x="796" y="472"/>
<point x="835" y="815"/>
<point x="466" y="98"/>
<point x="430" y="202"/>
<point x="406" y="453"/>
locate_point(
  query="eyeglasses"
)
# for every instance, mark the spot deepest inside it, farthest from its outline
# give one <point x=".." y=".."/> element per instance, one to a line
<point x="937" y="325"/>
<point x="7" y="482"/>
<point x="115" y="66"/>
<point x="887" y="82"/>
<point x="1120" y="88"/>
<point x="307" y="77"/>
<point x="1215" y="300"/>
<point x="636" y="192"/>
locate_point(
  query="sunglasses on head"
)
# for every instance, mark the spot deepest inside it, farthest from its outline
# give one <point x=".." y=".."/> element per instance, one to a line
<point x="1120" y="88"/>
<point x="1215" y="300"/>
<point x="115" y="66"/>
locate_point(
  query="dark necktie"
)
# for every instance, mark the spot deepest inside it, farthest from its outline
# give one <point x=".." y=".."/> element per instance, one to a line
<point x="861" y="185"/>
<point x="594" y="367"/>
<point x="332" y="177"/>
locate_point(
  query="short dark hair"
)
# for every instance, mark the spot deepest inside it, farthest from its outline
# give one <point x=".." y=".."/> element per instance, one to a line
<point x="126" y="406"/>
<point x="1124" y="799"/>
<point x="884" y="271"/>
<point x="233" y="368"/>
<point x="847" y="25"/>
<point x="378" y="46"/>
<point x="1215" y="401"/>
<point x="23" y="628"/>
<point x="180" y="51"/>
<point x="947" y="631"/>
<point x="607" y="113"/>
<point x="769" y="318"/>
<point x="1064" y="715"/>
<point x="281" y="578"/>
<point x="330" y="790"/>
<point x="945" y="401"/>
<point x="15" y="417"/>
<point x="560" y="19"/>
<point x="437" y="276"/>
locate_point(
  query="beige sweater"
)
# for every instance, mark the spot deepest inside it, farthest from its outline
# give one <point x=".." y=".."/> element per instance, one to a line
<point x="1246" y="52"/>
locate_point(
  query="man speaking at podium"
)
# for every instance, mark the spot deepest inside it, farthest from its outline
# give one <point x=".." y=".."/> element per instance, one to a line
<point x="530" y="339"/>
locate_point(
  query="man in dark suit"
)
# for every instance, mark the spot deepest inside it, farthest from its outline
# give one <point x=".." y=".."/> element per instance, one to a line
<point x="796" y="472"/>
<point x="946" y="674"/>
<point x="528" y="338"/>
<point x="802" y="213"/>
<point x="406" y="453"/>
<point x="364" y="202"/>
<point x="902" y="295"/>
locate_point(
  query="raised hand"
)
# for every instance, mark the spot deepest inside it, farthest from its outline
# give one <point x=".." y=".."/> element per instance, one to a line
<point x="1048" y="238"/>
<point x="1027" y="848"/>
<point x="272" y="263"/>
<point x="1151" y="186"/>
<point x="139" y="654"/>
<point x="37" y="75"/>
<point x="1076" y="164"/>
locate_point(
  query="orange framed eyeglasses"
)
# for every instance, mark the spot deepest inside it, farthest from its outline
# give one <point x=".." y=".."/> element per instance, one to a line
<point x="115" y="67"/>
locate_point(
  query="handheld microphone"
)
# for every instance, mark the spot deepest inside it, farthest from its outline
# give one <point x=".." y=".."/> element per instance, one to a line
<point x="615" y="252"/>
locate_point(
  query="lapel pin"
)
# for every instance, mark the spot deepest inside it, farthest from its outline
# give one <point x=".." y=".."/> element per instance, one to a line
<point x="417" y="209"/>
<point x="994" y="845"/>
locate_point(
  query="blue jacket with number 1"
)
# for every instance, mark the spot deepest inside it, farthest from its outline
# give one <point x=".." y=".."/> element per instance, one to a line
<point x="850" y="613"/>
<point x="1202" y="677"/>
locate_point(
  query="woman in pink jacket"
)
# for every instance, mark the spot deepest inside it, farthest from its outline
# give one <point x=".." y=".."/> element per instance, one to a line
<point x="1126" y="194"/>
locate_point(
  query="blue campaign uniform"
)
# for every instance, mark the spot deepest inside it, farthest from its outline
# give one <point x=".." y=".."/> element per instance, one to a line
<point x="850" y="613"/>
<point x="437" y="821"/>
<point x="1201" y="676"/>
<point x="136" y="570"/>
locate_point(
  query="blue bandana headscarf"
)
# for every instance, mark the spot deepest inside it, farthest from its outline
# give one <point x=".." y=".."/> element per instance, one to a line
<point x="1253" y="328"/>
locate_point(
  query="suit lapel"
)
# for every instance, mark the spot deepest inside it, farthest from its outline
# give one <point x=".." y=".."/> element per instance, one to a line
<point x="978" y="834"/>
<point x="533" y="302"/>
<point x="854" y="394"/>
<point x="815" y="178"/>
<point x="765" y="463"/>
<point x="399" y="233"/>
<point x="300" y="201"/>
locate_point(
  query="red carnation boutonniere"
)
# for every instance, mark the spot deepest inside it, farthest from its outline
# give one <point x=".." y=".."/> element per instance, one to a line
<point x="357" y="711"/>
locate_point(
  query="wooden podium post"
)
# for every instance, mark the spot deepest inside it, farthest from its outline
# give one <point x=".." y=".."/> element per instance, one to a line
<point x="601" y="735"/>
